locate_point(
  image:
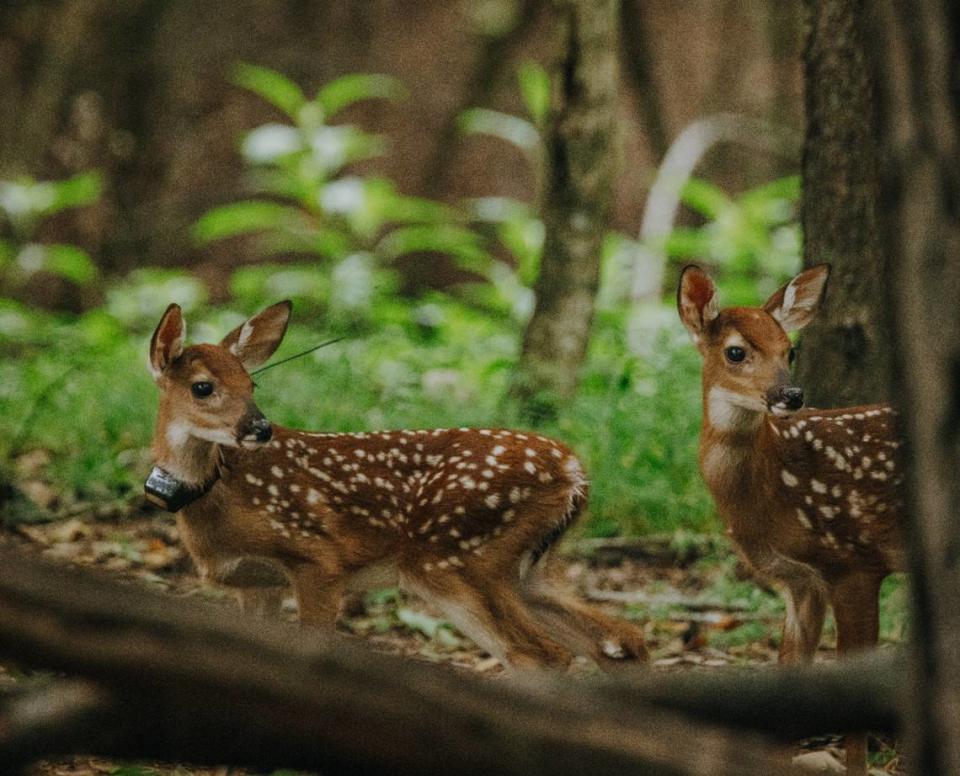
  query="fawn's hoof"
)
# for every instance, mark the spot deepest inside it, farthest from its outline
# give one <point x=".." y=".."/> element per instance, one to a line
<point x="627" y="644"/>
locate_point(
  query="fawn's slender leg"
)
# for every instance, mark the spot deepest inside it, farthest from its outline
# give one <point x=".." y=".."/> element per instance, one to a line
<point x="856" y="601"/>
<point x="318" y="595"/>
<point x="605" y="637"/>
<point x="262" y="602"/>
<point x="806" y="605"/>
<point x="491" y="612"/>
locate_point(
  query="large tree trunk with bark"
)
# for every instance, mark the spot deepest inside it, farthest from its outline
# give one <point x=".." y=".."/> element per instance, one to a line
<point x="844" y="358"/>
<point x="580" y="159"/>
<point x="170" y="679"/>
<point x="920" y="91"/>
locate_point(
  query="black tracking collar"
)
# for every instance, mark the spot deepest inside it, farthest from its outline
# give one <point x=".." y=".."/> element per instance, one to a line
<point x="171" y="494"/>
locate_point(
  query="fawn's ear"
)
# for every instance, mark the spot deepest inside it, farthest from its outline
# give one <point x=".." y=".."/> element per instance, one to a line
<point x="167" y="342"/>
<point x="256" y="340"/>
<point x="696" y="301"/>
<point x="795" y="304"/>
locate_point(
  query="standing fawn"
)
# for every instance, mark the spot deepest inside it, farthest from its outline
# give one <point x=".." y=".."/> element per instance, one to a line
<point x="810" y="497"/>
<point x="462" y="517"/>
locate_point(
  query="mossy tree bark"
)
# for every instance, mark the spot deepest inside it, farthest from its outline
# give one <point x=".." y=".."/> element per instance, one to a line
<point x="844" y="356"/>
<point x="920" y="207"/>
<point x="580" y="157"/>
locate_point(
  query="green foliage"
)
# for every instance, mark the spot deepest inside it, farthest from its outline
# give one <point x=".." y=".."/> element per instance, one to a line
<point x="24" y="205"/>
<point x="275" y="88"/>
<point x="78" y="386"/>
<point x="511" y="129"/>
<point x="306" y="202"/>
<point x="524" y="133"/>
<point x="535" y="89"/>
<point x="753" y="239"/>
<point x="25" y="202"/>
<point x="442" y="360"/>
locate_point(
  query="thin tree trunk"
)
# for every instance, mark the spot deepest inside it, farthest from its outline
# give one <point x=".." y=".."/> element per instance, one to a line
<point x="580" y="159"/>
<point x="844" y="356"/>
<point x="921" y="216"/>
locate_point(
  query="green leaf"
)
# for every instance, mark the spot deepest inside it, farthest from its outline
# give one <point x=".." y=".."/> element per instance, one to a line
<point x="687" y="243"/>
<point x="512" y="129"/>
<point x="69" y="262"/>
<point x="455" y="241"/>
<point x="324" y="242"/>
<point x="78" y="191"/>
<point x="140" y="297"/>
<point x="275" y="88"/>
<point x="496" y="209"/>
<point x="535" y="90"/>
<point x="333" y="147"/>
<point x="270" y="142"/>
<point x="524" y="239"/>
<point x="788" y="188"/>
<point x="8" y="252"/>
<point x="705" y="198"/>
<point x="398" y="208"/>
<point x="244" y="218"/>
<point x="25" y="201"/>
<point x="348" y="89"/>
<point x="258" y="284"/>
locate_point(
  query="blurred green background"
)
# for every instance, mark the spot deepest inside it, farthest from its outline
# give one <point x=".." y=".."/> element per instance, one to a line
<point x="430" y="292"/>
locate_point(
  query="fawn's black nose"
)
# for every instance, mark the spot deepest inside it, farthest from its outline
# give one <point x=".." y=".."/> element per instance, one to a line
<point x="262" y="430"/>
<point x="785" y="398"/>
<point x="793" y="397"/>
<point x="254" y="430"/>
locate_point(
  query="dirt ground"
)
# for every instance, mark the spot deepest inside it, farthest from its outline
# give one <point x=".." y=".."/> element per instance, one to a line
<point x="696" y="616"/>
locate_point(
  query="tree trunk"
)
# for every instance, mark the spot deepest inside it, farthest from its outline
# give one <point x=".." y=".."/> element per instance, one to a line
<point x="844" y="358"/>
<point x="580" y="159"/>
<point x="920" y="91"/>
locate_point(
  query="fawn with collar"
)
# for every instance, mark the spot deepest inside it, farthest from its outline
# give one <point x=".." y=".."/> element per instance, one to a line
<point x="461" y="517"/>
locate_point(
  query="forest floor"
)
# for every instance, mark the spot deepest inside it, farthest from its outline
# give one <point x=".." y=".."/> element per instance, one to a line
<point x="697" y="615"/>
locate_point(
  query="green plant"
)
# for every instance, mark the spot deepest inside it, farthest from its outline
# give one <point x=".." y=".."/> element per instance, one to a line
<point x="754" y="238"/>
<point x="309" y="200"/>
<point x="514" y="228"/>
<point x="25" y="204"/>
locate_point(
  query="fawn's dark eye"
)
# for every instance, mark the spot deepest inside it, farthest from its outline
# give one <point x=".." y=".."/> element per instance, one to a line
<point x="202" y="390"/>
<point x="792" y="355"/>
<point x="735" y="355"/>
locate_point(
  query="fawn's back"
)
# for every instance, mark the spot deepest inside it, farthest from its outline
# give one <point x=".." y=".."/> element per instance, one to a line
<point x="422" y="500"/>
<point x="822" y="487"/>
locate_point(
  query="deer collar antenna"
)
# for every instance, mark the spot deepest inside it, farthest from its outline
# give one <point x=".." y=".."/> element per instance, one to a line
<point x="172" y="494"/>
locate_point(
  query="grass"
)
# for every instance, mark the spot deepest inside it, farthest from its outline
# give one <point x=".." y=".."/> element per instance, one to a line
<point x="79" y="390"/>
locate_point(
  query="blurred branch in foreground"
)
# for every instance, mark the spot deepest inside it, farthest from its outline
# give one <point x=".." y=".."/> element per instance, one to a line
<point x="175" y="680"/>
<point x="920" y="107"/>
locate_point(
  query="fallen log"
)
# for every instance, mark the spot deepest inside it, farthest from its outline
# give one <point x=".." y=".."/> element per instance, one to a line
<point x="179" y="681"/>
